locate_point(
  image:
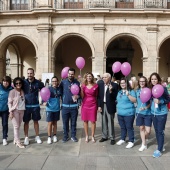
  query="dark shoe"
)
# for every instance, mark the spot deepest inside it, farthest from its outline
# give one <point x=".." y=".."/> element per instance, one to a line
<point x="74" y="139"/>
<point x="65" y="139"/>
<point x="102" y="140"/>
<point x="112" y="142"/>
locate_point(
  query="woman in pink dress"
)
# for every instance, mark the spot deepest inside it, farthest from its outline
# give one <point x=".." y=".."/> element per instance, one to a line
<point x="89" y="92"/>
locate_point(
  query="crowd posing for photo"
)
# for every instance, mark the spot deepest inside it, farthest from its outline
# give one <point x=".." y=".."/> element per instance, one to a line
<point x="104" y="96"/>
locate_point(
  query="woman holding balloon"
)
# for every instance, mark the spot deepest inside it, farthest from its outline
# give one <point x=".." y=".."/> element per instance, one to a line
<point x="53" y="109"/>
<point x="126" y="112"/>
<point x="143" y="113"/>
<point x="89" y="92"/>
<point x="159" y="110"/>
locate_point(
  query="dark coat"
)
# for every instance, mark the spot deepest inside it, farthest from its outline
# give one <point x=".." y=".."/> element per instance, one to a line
<point x="110" y="97"/>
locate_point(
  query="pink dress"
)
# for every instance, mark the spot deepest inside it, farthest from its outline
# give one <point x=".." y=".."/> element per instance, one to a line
<point x="89" y="103"/>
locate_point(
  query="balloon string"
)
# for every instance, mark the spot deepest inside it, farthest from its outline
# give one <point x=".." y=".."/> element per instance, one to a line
<point x="80" y="72"/>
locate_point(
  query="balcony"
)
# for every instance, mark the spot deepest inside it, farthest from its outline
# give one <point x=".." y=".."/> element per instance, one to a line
<point x="112" y="4"/>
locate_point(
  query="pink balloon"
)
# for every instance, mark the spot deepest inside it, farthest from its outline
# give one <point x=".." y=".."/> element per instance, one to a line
<point x="64" y="72"/>
<point x="80" y="62"/>
<point x="157" y="91"/>
<point x="75" y="89"/>
<point x="116" y="67"/>
<point x="45" y="94"/>
<point x="125" y="68"/>
<point x="145" y="94"/>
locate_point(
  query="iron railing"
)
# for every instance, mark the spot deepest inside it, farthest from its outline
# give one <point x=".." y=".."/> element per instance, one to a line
<point x="142" y="4"/>
<point x="82" y="4"/>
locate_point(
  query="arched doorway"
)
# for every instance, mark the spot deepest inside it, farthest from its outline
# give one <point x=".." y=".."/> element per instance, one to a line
<point x="68" y="50"/>
<point x="19" y="54"/>
<point x="164" y="60"/>
<point x="124" y="49"/>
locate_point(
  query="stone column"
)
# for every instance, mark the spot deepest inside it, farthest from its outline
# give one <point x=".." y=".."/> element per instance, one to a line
<point x="43" y="63"/>
<point x="98" y="65"/>
<point x="152" y="64"/>
<point x="2" y="66"/>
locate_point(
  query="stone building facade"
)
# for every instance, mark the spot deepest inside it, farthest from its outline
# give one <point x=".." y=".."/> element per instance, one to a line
<point x="50" y="34"/>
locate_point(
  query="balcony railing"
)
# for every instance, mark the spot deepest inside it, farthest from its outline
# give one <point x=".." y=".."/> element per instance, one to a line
<point x="112" y="4"/>
<point x="87" y="4"/>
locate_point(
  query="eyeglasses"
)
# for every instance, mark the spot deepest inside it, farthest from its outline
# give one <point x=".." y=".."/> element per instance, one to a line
<point x="54" y="81"/>
<point x="18" y="83"/>
<point x="142" y="81"/>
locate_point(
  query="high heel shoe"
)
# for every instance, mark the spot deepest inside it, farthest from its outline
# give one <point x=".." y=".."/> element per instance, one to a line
<point x="20" y="145"/>
<point x="93" y="139"/>
<point x="87" y="139"/>
<point x="14" y="142"/>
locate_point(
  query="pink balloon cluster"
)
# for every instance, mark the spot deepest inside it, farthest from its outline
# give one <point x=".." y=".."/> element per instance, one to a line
<point x="75" y="89"/>
<point x="157" y="91"/>
<point x="45" y="94"/>
<point x="125" y="68"/>
<point x="64" y="72"/>
<point x="80" y="62"/>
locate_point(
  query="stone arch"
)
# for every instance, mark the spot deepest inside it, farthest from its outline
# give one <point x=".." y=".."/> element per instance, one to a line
<point x="16" y="40"/>
<point x="61" y="38"/>
<point x="137" y="38"/>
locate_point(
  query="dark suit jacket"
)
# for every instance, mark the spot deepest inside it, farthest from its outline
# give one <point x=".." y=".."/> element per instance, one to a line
<point x="110" y="97"/>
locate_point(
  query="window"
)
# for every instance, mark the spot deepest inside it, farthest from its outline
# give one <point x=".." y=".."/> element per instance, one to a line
<point x="19" y="4"/>
<point x="73" y="4"/>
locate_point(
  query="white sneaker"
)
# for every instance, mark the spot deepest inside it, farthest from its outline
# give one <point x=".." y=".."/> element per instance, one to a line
<point x="130" y="145"/>
<point x="120" y="142"/>
<point x="49" y="141"/>
<point x="55" y="139"/>
<point x="142" y="148"/>
<point x="26" y="141"/>
<point x="38" y="140"/>
<point x="5" y="142"/>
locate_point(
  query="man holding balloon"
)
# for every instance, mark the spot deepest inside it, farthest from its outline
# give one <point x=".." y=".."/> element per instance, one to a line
<point x="70" y="89"/>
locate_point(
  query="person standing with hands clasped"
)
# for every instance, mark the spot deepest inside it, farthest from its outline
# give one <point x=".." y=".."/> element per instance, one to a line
<point x="16" y="104"/>
<point x="107" y="106"/>
<point x="69" y="105"/>
<point x="126" y="112"/>
<point x="143" y="114"/>
<point x="159" y="113"/>
<point x="89" y="92"/>
<point x="53" y="109"/>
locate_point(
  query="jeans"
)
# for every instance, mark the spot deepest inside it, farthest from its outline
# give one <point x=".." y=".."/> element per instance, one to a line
<point x="66" y="115"/>
<point x="159" y="122"/>
<point x="4" y="116"/>
<point x="126" y="125"/>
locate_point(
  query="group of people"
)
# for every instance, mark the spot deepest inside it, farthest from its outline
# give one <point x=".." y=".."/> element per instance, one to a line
<point x="104" y="96"/>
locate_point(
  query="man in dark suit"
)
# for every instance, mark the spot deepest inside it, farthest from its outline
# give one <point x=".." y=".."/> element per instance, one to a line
<point x="107" y="106"/>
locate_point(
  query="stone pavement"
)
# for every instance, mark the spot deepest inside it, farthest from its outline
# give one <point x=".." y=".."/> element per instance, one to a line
<point x="81" y="155"/>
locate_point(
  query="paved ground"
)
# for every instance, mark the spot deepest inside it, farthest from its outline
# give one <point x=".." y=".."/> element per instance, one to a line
<point x="81" y="155"/>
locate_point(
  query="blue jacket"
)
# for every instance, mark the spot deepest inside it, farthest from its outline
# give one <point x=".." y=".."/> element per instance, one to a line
<point x="31" y="91"/>
<point x="140" y="104"/>
<point x="53" y="104"/>
<point x="67" y="101"/>
<point x="162" y="106"/>
<point x="4" y="98"/>
<point x="124" y="106"/>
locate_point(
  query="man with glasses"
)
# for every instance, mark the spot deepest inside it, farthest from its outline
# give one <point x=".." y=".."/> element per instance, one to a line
<point x="31" y="90"/>
<point x="69" y="106"/>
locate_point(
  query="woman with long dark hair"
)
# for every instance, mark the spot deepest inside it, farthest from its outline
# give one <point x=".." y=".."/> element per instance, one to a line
<point x="159" y="113"/>
<point x="126" y="112"/>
